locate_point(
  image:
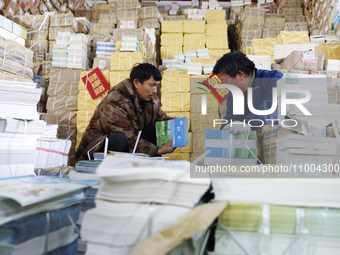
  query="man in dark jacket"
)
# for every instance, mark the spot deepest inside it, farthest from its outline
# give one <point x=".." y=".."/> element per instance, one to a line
<point x="236" y="69"/>
<point x="129" y="107"/>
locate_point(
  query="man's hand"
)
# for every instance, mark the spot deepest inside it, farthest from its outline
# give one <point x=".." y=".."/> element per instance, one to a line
<point x="237" y="127"/>
<point x="166" y="148"/>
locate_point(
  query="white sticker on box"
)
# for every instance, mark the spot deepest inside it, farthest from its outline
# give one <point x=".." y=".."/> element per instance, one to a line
<point x="309" y="57"/>
<point x="102" y="64"/>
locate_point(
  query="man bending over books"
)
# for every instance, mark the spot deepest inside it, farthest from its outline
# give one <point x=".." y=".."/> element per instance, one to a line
<point x="129" y="107"/>
<point x="236" y="69"/>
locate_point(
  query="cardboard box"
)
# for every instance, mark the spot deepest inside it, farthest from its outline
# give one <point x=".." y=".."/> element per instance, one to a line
<point x="217" y="42"/>
<point x="149" y="23"/>
<point x="219" y="28"/>
<point x="175" y="83"/>
<point x="40" y="46"/>
<point x="168" y="52"/>
<point x="100" y="29"/>
<point x="299" y="60"/>
<point x="196" y="104"/>
<point x="128" y="14"/>
<point x="86" y="103"/>
<point x="215" y="15"/>
<point x="83" y="13"/>
<point x="198" y="143"/>
<point x="194" y="26"/>
<point x="176" y="102"/>
<point x="123" y="61"/>
<point x="201" y="122"/>
<point x="193" y="42"/>
<point x="64" y="103"/>
<point x="53" y="32"/>
<point x="13" y="77"/>
<point x="118" y="33"/>
<point x="294" y="37"/>
<point x="218" y="53"/>
<point x="172" y="26"/>
<point x="331" y="50"/>
<point x="171" y="39"/>
<point x="177" y="156"/>
<point x="116" y="77"/>
<point x="148" y="12"/>
<point x="63" y="88"/>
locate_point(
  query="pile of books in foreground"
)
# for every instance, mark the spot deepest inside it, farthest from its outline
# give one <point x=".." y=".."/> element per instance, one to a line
<point x="38" y="214"/>
<point x="138" y="197"/>
<point x="278" y="216"/>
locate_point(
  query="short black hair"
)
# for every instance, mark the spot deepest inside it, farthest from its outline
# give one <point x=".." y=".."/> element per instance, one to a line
<point x="144" y="71"/>
<point x="233" y="62"/>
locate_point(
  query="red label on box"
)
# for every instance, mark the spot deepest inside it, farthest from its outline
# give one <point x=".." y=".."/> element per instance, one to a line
<point x="95" y="83"/>
<point x="23" y="5"/>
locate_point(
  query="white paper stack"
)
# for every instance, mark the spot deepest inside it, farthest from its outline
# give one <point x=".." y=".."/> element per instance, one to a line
<point x="130" y="43"/>
<point x="105" y="48"/>
<point x="170" y="64"/>
<point x="282" y="51"/>
<point x="77" y="52"/>
<point x="180" y="58"/>
<point x="195" y="68"/>
<point x="19" y="127"/>
<point x="126" y="212"/>
<point x="203" y="53"/>
<point x="60" y="50"/>
<point x="189" y="55"/>
<point x="208" y="69"/>
<point x="261" y="62"/>
<point x="332" y="65"/>
<point x="52" y="152"/>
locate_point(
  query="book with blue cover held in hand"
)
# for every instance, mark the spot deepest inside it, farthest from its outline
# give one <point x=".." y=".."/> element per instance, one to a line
<point x="175" y="128"/>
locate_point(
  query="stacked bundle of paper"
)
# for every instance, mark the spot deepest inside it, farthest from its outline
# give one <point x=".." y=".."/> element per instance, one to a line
<point x="105" y="48"/>
<point x="52" y="152"/>
<point x="60" y="50"/>
<point x="225" y="147"/>
<point x="307" y="149"/>
<point x="253" y="225"/>
<point x="130" y="43"/>
<point x="261" y="62"/>
<point x="86" y="170"/>
<point x="114" y="228"/>
<point x="38" y="214"/>
<point x="19" y="127"/>
<point x="77" y="52"/>
<point x="282" y="51"/>
<point x="301" y="192"/>
<point x="189" y="55"/>
<point x="203" y="53"/>
<point x="195" y="68"/>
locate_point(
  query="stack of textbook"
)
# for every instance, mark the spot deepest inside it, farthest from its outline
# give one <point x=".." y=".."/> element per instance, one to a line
<point x="19" y="127"/>
<point x="38" y="214"/>
<point x="278" y="215"/>
<point x="138" y="197"/>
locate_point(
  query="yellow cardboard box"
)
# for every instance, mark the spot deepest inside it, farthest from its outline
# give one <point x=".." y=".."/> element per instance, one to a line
<point x="176" y="102"/>
<point x="218" y="53"/>
<point x="196" y="104"/>
<point x="85" y="101"/>
<point x="294" y="37"/>
<point x="198" y="143"/>
<point x="175" y="83"/>
<point x="177" y="156"/>
<point x="170" y="39"/>
<point x="83" y="119"/>
<point x="116" y="77"/>
<point x="173" y="26"/>
<point x="174" y="72"/>
<point x="217" y="28"/>
<point x="168" y="52"/>
<point x="193" y="26"/>
<point x="204" y="61"/>
<point x="217" y="42"/>
<point x="201" y="122"/>
<point x="194" y="41"/>
<point x="331" y="50"/>
<point x="215" y="15"/>
<point x="122" y="61"/>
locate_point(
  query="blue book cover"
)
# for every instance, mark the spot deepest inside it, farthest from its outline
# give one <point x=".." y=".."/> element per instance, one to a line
<point x="176" y="128"/>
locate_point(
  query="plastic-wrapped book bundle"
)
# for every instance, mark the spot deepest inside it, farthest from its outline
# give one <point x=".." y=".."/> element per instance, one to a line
<point x="77" y="52"/>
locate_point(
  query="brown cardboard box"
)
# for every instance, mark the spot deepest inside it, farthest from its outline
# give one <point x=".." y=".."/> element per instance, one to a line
<point x="83" y="13"/>
<point x="295" y="61"/>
